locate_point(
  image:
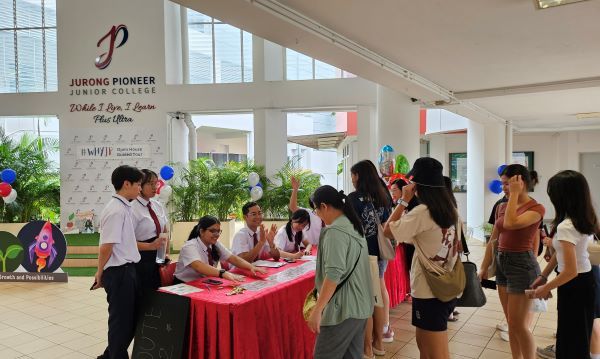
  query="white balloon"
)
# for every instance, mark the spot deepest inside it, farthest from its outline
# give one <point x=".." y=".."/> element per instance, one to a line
<point x="165" y="194"/>
<point x="256" y="193"/>
<point x="12" y="196"/>
<point x="253" y="179"/>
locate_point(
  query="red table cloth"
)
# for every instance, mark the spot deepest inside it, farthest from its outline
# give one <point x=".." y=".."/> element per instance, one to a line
<point x="396" y="278"/>
<point x="256" y="324"/>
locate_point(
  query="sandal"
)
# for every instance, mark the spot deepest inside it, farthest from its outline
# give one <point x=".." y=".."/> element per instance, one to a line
<point x="455" y="312"/>
<point x="453" y="319"/>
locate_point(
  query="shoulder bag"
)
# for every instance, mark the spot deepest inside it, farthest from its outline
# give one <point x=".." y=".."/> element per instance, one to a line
<point x="445" y="285"/>
<point x="472" y="295"/>
<point x="386" y="248"/>
<point x="311" y="297"/>
<point x="594" y="251"/>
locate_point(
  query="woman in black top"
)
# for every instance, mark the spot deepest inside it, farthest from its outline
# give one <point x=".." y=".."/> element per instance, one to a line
<point x="371" y="199"/>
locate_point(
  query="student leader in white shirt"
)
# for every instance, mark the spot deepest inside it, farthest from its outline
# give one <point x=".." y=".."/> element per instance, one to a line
<point x="117" y="256"/>
<point x="313" y="231"/>
<point x="290" y="238"/>
<point x="202" y="252"/>
<point x="254" y="241"/>
<point x="150" y="221"/>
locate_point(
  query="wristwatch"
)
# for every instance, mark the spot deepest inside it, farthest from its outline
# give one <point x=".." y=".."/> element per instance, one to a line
<point x="402" y="202"/>
<point x="221" y="272"/>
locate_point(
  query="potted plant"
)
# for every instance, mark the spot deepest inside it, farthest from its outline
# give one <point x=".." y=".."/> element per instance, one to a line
<point x="487" y="230"/>
<point x="38" y="180"/>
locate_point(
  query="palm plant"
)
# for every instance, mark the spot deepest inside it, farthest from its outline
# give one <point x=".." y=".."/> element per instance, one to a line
<point x="38" y="181"/>
<point x="276" y="198"/>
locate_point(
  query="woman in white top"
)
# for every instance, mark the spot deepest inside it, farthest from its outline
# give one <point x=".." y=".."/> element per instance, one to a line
<point x="150" y="220"/>
<point x="202" y="252"/>
<point x="576" y="224"/>
<point x="431" y="227"/>
<point x="290" y="238"/>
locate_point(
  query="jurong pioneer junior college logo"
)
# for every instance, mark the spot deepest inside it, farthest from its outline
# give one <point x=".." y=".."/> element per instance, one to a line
<point x="104" y="59"/>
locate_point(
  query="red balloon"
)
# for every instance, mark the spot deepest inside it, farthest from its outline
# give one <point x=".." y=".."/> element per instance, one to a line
<point x="5" y="189"/>
<point x="159" y="186"/>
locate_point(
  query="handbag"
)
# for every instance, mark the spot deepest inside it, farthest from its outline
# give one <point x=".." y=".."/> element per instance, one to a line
<point x="310" y="301"/>
<point x="167" y="273"/>
<point x="386" y="248"/>
<point x="472" y="295"/>
<point x="445" y="285"/>
<point x="594" y="251"/>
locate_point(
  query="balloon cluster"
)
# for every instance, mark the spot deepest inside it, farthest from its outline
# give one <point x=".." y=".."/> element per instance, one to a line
<point x="390" y="167"/>
<point x="256" y="191"/>
<point x="163" y="190"/>
<point x="496" y="185"/>
<point x="8" y="194"/>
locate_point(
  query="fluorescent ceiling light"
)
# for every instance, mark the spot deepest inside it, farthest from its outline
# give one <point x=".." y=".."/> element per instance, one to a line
<point x="584" y="115"/>
<point x="545" y="4"/>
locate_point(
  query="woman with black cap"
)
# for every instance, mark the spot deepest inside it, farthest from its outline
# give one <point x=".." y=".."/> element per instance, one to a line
<point x="432" y="228"/>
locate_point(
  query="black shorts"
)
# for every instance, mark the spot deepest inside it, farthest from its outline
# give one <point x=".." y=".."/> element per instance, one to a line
<point x="431" y="314"/>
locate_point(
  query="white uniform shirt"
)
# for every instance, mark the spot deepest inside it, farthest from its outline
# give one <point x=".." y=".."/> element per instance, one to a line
<point x="282" y="242"/>
<point x="143" y="222"/>
<point x="313" y="233"/>
<point x="243" y="242"/>
<point x="116" y="227"/>
<point x="567" y="232"/>
<point x="195" y="250"/>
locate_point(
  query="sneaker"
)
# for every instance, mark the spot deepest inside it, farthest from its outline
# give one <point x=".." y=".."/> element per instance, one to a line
<point x="388" y="337"/>
<point x="548" y="352"/>
<point x="503" y="327"/>
<point x="504" y="336"/>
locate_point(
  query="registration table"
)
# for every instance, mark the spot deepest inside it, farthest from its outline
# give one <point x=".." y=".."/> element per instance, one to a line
<point x="266" y="323"/>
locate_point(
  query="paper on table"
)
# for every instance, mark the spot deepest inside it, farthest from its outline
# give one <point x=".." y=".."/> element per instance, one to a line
<point x="308" y="258"/>
<point x="181" y="289"/>
<point x="258" y="285"/>
<point x="269" y="264"/>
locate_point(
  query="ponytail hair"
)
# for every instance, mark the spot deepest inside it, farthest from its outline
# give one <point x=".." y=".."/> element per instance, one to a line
<point x="300" y="216"/>
<point x="338" y="200"/>
<point x="203" y="224"/>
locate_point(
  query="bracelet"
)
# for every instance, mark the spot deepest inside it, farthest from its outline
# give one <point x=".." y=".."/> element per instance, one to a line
<point x="402" y="202"/>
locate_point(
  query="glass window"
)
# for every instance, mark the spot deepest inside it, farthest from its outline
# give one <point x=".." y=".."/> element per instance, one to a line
<point x="218" y="52"/>
<point x="28" y="46"/>
<point x="302" y="67"/>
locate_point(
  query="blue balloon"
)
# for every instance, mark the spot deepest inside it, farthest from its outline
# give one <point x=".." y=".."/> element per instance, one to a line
<point x="387" y="148"/>
<point x="259" y="185"/>
<point x="500" y="169"/>
<point x="8" y="175"/>
<point x="495" y="186"/>
<point x="166" y="172"/>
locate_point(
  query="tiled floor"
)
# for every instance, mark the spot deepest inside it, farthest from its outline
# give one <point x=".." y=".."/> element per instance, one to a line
<point x="68" y="321"/>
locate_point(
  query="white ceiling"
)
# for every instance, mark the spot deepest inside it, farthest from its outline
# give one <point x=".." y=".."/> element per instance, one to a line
<point x="536" y="68"/>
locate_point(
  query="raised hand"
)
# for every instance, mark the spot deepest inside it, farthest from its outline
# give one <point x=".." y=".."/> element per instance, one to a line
<point x="295" y="183"/>
<point x="516" y="184"/>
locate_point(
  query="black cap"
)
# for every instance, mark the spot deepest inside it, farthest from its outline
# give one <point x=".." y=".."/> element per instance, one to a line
<point x="427" y="171"/>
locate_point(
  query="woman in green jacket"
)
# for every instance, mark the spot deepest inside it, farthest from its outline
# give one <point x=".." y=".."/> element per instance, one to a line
<point x="343" y="279"/>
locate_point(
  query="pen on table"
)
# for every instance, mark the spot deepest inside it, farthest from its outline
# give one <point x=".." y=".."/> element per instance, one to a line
<point x="207" y="287"/>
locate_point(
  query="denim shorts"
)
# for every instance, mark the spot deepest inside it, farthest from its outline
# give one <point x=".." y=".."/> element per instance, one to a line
<point x="382" y="264"/>
<point x="516" y="270"/>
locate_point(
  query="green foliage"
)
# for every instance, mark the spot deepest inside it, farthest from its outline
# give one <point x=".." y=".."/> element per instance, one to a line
<point x="38" y="180"/>
<point x="203" y="188"/>
<point x="11" y="253"/>
<point x="487" y="228"/>
<point x="277" y="195"/>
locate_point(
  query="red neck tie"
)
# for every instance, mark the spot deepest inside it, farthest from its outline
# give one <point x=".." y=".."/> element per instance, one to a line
<point x="211" y="261"/>
<point x="255" y="237"/>
<point x="154" y="218"/>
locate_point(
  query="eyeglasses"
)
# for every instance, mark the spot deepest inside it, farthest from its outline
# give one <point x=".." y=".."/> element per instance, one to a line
<point x="215" y="231"/>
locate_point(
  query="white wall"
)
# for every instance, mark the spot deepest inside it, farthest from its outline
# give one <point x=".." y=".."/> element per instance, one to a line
<point x="210" y="142"/>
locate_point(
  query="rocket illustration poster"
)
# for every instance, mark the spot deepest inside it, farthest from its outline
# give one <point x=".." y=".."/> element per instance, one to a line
<point x="44" y="246"/>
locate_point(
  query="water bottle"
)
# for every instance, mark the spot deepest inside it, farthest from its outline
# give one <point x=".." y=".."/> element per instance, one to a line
<point x="161" y="252"/>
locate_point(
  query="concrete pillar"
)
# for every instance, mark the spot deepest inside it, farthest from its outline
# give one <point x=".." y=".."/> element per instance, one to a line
<point x="495" y="144"/>
<point x="397" y="123"/>
<point x="476" y="214"/>
<point x="367" y="133"/>
<point x="270" y="139"/>
<point x="258" y="59"/>
<point x="437" y="150"/>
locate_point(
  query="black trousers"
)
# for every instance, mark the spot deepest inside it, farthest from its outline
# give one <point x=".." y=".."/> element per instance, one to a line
<point x="575" y="317"/>
<point x="148" y="271"/>
<point x="122" y="294"/>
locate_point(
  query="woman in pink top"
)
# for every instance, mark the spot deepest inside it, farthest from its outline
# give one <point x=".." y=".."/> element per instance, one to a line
<point x="516" y="230"/>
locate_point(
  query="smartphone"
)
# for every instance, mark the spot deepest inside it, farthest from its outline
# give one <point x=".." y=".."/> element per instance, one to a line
<point x="212" y="281"/>
<point x="489" y="284"/>
<point x="289" y="260"/>
<point x="93" y="285"/>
